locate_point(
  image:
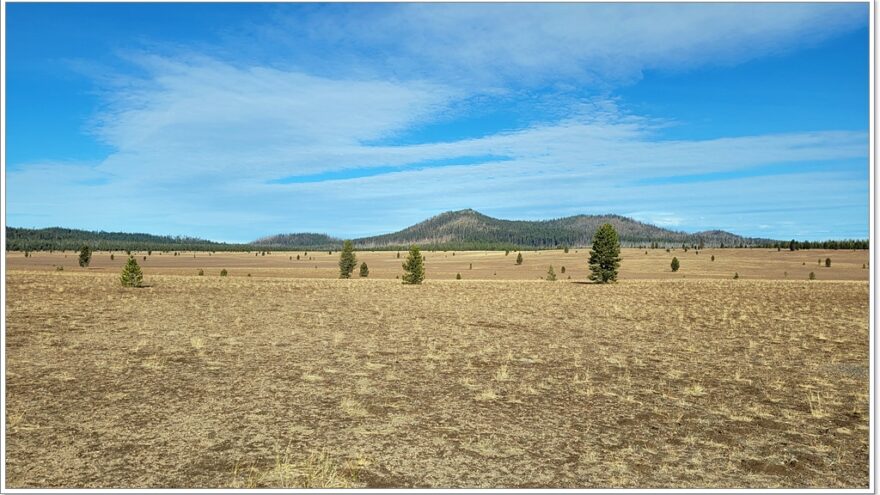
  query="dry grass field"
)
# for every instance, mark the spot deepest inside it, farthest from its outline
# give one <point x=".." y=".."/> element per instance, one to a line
<point x="693" y="381"/>
<point x="480" y="265"/>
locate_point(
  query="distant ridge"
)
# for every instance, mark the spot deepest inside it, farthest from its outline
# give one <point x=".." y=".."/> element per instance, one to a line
<point x="470" y="229"/>
<point x="452" y="230"/>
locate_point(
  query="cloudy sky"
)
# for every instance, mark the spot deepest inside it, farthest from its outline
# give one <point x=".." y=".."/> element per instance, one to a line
<point x="236" y="121"/>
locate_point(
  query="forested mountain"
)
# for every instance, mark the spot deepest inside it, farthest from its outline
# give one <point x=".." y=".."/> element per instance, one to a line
<point x="469" y="229"/>
<point x="306" y="239"/>
<point x="454" y="230"/>
<point x="60" y="239"/>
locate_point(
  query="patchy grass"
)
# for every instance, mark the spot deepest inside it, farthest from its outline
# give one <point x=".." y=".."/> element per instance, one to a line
<point x="197" y="381"/>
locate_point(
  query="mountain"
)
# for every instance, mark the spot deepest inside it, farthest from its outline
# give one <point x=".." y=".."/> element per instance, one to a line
<point x="469" y="229"/>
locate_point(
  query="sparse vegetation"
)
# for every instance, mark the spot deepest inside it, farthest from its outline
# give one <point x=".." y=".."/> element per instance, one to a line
<point x="551" y="275"/>
<point x="223" y="272"/>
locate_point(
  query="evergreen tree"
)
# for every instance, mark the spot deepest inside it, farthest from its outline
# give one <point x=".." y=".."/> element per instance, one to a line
<point x="562" y="269"/>
<point x="827" y="262"/>
<point x="414" y="267"/>
<point x="675" y="264"/>
<point x="457" y="276"/>
<point x="365" y="272"/>
<point x="131" y="274"/>
<point x="565" y="250"/>
<point x="735" y="275"/>
<point x="519" y="258"/>
<point x="605" y="255"/>
<point x="812" y="276"/>
<point x="223" y="272"/>
<point x="85" y="256"/>
<point x="551" y="275"/>
<point x="347" y="260"/>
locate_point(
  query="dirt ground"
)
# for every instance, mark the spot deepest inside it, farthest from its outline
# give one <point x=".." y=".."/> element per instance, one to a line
<point x="290" y="382"/>
<point x="480" y="265"/>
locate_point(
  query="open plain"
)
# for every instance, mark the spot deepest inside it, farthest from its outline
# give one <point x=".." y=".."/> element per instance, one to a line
<point x="690" y="379"/>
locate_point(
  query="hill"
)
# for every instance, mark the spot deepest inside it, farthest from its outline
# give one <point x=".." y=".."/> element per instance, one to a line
<point x="61" y="239"/>
<point x="469" y="229"/>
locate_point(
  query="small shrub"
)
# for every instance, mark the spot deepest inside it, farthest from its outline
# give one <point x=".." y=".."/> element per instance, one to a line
<point x="506" y="252"/>
<point x="713" y="257"/>
<point x="519" y="259"/>
<point x="565" y="250"/>
<point x="812" y="276"/>
<point x="131" y="274"/>
<point x="562" y="270"/>
<point x="736" y="275"/>
<point x="201" y="272"/>
<point x="297" y="257"/>
<point x="145" y="258"/>
<point x="365" y="271"/>
<point x="249" y="275"/>
<point x="675" y="264"/>
<point x="457" y="276"/>
<point x="112" y="257"/>
<point x="223" y="272"/>
<point x="551" y="275"/>
<point x="827" y="262"/>
<point x="59" y="268"/>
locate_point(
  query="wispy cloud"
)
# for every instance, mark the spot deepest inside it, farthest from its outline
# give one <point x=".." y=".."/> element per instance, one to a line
<point x="533" y="43"/>
<point x="301" y="142"/>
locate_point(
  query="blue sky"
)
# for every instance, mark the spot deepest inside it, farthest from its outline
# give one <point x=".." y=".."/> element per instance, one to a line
<point x="236" y="121"/>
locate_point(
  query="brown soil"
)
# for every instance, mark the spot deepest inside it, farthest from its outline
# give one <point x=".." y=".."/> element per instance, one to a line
<point x="248" y="382"/>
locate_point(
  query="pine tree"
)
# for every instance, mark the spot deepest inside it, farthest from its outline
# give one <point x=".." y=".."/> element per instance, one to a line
<point x="812" y="276"/>
<point x="131" y="274"/>
<point x="827" y="262"/>
<point x="365" y="272"/>
<point x="605" y="255"/>
<point x="562" y="269"/>
<point x="457" y="276"/>
<point x="85" y="256"/>
<point x="675" y="264"/>
<point x="551" y="275"/>
<point x="414" y="267"/>
<point x="519" y="258"/>
<point x="347" y="260"/>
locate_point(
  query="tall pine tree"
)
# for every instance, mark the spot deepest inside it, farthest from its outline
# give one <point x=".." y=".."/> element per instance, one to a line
<point x="605" y="255"/>
<point x="414" y="267"/>
<point x="347" y="260"/>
